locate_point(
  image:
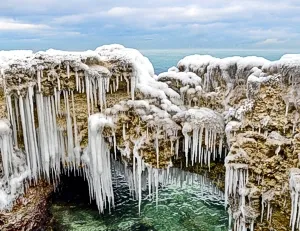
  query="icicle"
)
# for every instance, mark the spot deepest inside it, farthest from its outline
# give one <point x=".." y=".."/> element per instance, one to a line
<point x="17" y="113"/>
<point x="157" y="149"/>
<point x="58" y="83"/>
<point x="177" y="148"/>
<point x="74" y="121"/>
<point x="149" y="180"/>
<point x="69" y="132"/>
<point x="114" y="86"/>
<point x="79" y="85"/>
<point x="220" y="145"/>
<point x="156" y="185"/>
<point x="117" y="82"/>
<point x="295" y="188"/>
<point x="39" y="80"/>
<point x="97" y="158"/>
<point x="68" y="70"/>
<point x="124" y="132"/>
<point x="43" y="144"/>
<point x="87" y="84"/>
<point x="127" y="84"/>
<point x="132" y="83"/>
<point x="6" y="147"/>
<point x="115" y="145"/>
<point x="77" y="80"/>
<point x="186" y="146"/>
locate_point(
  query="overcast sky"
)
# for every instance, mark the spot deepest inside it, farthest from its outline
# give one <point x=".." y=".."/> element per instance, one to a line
<point x="150" y="24"/>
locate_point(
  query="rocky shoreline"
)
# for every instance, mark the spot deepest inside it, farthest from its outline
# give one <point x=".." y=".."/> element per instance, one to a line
<point x="87" y="105"/>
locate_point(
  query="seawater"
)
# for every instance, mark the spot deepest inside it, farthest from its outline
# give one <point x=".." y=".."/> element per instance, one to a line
<point x="183" y="205"/>
<point x="164" y="59"/>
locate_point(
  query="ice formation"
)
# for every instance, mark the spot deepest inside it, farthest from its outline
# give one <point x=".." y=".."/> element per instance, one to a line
<point x="13" y="169"/>
<point x="295" y="188"/>
<point x="202" y="125"/>
<point x="96" y="160"/>
<point x="75" y="109"/>
<point x="40" y="90"/>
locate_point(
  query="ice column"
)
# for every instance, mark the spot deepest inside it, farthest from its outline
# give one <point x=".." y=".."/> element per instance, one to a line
<point x="236" y="178"/>
<point x="295" y="189"/>
<point x="6" y="147"/>
<point x="97" y="162"/>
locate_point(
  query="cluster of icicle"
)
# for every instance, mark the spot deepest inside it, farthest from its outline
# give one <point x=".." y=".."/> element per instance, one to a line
<point x="236" y="178"/>
<point x="96" y="160"/>
<point x="47" y="144"/>
<point x="143" y="177"/>
<point x="295" y="190"/>
<point x="202" y="126"/>
<point x="13" y="170"/>
<point x="233" y="70"/>
<point x="156" y="118"/>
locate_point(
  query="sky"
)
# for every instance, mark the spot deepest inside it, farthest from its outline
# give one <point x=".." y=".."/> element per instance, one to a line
<point x="150" y="24"/>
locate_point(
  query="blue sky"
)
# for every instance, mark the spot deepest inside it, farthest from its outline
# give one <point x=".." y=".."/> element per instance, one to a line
<point x="150" y="24"/>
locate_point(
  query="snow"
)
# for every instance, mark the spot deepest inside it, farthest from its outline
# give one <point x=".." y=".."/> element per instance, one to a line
<point x="212" y="70"/>
<point x="184" y="77"/>
<point x="97" y="163"/>
<point x="198" y="124"/>
<point x="12" y="185"/>
<point x="47" y="143"/>
<point x="295" y="189"/>
<point x="236" y="176"/>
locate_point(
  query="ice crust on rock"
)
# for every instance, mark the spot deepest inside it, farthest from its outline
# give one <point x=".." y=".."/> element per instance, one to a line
<point x="170" y="105"/>
<point x="295" y="189"/>
<point x="24" y="77"/>
<point x="97" y="166"/>
<point x="186" y="78"/>
<point x="13" y="170"/>
<point x="212" y="69"/>
<point x="201" y="128"/>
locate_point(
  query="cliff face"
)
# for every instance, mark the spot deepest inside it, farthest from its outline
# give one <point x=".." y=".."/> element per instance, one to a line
<point x="75" y="109"/>
<point x="30" y="212"/>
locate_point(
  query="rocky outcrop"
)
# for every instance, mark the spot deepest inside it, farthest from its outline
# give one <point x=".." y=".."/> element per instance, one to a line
<point x="71" y="111"/>
<point x="30" y="212"/>
<point x="259" y="101"/>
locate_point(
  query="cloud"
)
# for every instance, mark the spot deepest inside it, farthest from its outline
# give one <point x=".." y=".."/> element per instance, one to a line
<point x="191" y="23"/>
<point x="275" y="33"/>
<point x="270" y="41"/>
<point x="13" y="25"/>
<point x="156" y="14"/>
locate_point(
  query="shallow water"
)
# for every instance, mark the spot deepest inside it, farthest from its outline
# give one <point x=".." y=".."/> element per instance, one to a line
<point x="196" y="205"/>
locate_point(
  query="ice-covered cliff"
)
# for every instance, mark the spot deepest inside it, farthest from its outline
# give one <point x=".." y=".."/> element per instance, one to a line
<point x="63" y="111"/>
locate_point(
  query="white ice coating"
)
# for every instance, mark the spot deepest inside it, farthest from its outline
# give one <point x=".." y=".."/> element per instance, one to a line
<point x="13" y="170"/>
<point x="6" y="147"/>
<point x="295" y="190"/>
<point x="201" y="128"/>
<point x="143" y="177"/>
<point x="183" y="77"/>
<point x="267" y="197"/>
<point x="47" y="144"/>
<point x="97" y="163"/>
<point x="244" y="218"/>
<point x="236" y="177"/>
<point x="232" y="70"/>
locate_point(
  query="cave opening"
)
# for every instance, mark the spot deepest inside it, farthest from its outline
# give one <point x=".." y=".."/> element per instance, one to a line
<point x="190" y="201"/>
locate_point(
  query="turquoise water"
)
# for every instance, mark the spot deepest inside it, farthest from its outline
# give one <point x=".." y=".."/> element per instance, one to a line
<point x="183" y="205"/>
<point x="164" y="59"/>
